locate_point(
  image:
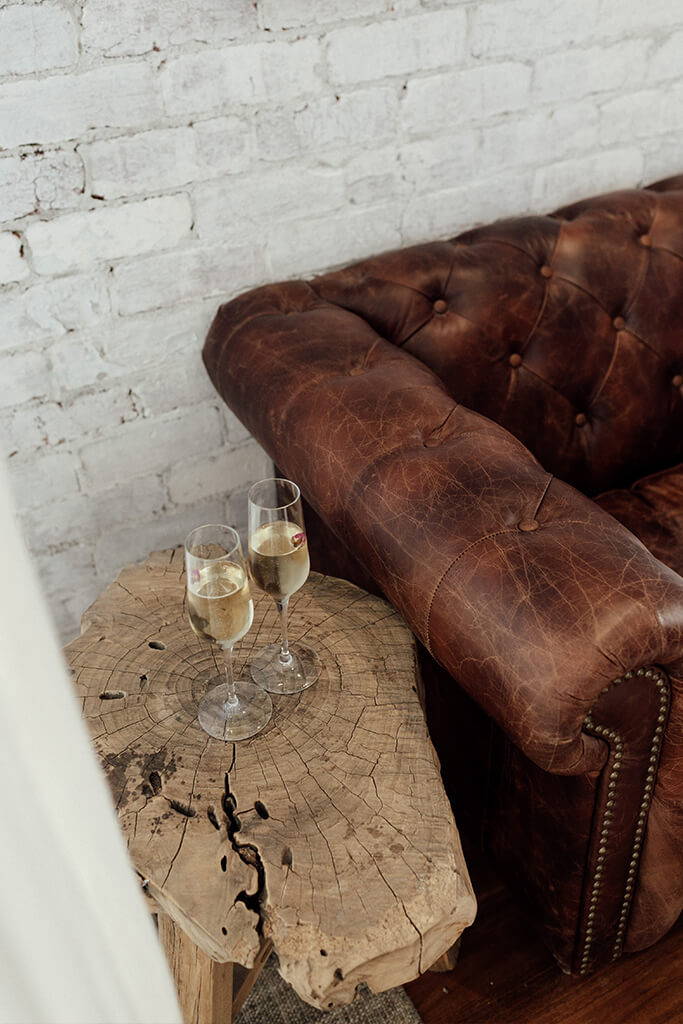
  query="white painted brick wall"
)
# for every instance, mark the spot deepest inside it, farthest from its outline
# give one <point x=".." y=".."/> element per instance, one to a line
<point x="157" y="158"/>
<point x="36" y="38"/>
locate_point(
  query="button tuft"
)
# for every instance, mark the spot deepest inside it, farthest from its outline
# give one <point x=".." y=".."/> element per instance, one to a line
<point x="440" y="306"/>
<point x="546" y="271"/>
<point x="528" y="525"/>
<point x="645" y="240"/>
<point x="677" y="381"/>
<point x="580" y="419"/>
<point x="515" y="359"/>
<point x="619" y="323"/>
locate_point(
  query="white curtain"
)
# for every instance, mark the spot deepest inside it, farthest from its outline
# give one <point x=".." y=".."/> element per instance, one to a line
<point x="77" y="944"/>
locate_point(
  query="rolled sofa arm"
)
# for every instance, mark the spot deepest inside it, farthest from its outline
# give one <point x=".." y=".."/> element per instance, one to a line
<point x="530" y="595"/>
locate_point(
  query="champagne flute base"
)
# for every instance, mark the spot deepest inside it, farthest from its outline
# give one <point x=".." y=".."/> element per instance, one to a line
<point x="272" y="675"/>
<point x="248" y="715"/>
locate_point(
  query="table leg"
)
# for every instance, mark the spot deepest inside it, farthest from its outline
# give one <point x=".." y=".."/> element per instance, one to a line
<point x="447" y="960"/>
<point x="244" y="979"/>
<point x="204" y="986"/>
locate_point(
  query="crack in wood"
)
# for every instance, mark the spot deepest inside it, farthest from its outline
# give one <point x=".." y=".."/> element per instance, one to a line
<point x="348" y="767"/>
<point x="181" y="808"/>
<point x="247" y="853"/>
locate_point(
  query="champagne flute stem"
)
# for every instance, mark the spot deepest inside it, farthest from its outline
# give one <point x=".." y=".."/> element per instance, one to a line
<point x="285" y="656"/>
<point x="229" y="676"/>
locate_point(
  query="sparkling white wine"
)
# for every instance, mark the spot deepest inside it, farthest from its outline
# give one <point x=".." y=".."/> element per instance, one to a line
<point x="278" y="558"/>
<point x="219" y="602"/>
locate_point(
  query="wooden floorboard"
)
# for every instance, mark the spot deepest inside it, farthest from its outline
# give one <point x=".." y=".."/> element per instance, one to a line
<point x="506" y="976"/>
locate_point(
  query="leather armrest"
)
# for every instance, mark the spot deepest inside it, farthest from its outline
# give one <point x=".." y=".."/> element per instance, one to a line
<point x="530" y="595"/>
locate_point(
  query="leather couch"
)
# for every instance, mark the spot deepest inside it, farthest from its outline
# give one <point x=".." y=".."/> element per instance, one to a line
<point x="489" y="430"/>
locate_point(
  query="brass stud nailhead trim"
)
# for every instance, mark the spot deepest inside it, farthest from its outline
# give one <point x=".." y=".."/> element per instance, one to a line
<point x="616" y="749"/>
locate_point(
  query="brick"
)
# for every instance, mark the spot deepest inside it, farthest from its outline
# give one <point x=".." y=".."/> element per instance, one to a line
<point x="563" y="182"/>
<point x="61" y="572"/>
<point x="434" y="164"/>
<point x="125" y="27"/>
<point x="251" y="204"/>
<point x="665" y="62"/>
<point x="519" y="27"/>
<point x="167" y="157"/>
<point x="40" y="480"/>
<point x="361" y="118"/>
<point x="173" y="383"/>
<point x="220" y="472"/>
<point x="46" y="182"/>
<point x="440" y="101"/>
<point x="169" y="278"/>
<point x="317" y="243"/>
<point x="67" y="106"/>
<point x="372" y="176"/>
<point x="24" y="428"/>
<point x="13" y="266"/>
<point x="59" y="180"/>
<point x="67" y="609"/>
<point x="125" y="346"/>
<point x="616" y="18"/>
<point x="578" y="73"/>
<point x="118" y="548"/>
<point x="77" y="240"/>
<point x="447" y="213"/>
<point x="86" y="516"/>
<point x="17" y="190"/>
<point x="254" y="73"/>
<point x="641" y="115"/>
<point x="541" y="138"/>
<point x="149" y="445"/>
<point x="662" y="158"/>
<point x="277" y="15"/>
<point x="235" y="431"/>
<point x="25" y="375"/>
<point x="36" y="38"/>
<point x="331" y="126"/>
<point x="53" y="308"/>
<point x="397" y="47"/>
<point x="40" y="424"/>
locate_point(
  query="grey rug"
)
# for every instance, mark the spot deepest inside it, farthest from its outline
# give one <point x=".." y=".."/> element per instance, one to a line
<point x="273" y="1001"/>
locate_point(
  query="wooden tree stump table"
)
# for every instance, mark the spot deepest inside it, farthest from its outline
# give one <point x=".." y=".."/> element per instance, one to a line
<point x="328" y="837"/>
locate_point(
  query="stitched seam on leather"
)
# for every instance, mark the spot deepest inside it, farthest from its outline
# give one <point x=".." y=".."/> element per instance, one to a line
<point x="540" y="501"/>
<point x="356" y="494"/>
<point x="671" y="252"/>
<point x="452" y="312"/>
<point x="646" y="257"/>
<point x="488" y="536"/>
<point x="551" y="386"/>
<point x="605" y="377"/>
<point x="272" y="312"/>
<point x="498" y="241"/>
<point x="404" y="341"/>
<point x="584" y="291"/>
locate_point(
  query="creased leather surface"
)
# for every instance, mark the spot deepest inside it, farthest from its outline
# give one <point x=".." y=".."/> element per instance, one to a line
<point x="430" y="496"/>
<point x="567" y="330"/>
<point x="652" y="508"/>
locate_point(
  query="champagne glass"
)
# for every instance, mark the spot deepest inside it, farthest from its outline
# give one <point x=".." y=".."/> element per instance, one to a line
<point x="221" y="610"/>
<point x="279" y="565"/>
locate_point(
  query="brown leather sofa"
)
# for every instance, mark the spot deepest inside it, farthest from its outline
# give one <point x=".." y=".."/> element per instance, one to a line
<point x="439" y="405"/>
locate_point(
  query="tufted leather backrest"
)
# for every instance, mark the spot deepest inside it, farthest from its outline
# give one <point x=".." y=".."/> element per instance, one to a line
<point x="566" y="329"/>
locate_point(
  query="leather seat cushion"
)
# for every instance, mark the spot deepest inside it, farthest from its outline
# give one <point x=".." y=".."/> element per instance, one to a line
<point x="652" y="509"/>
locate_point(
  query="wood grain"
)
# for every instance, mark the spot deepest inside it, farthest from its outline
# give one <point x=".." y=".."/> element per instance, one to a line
<point x="204" y="986"/>
<point x="328" y="834"/>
